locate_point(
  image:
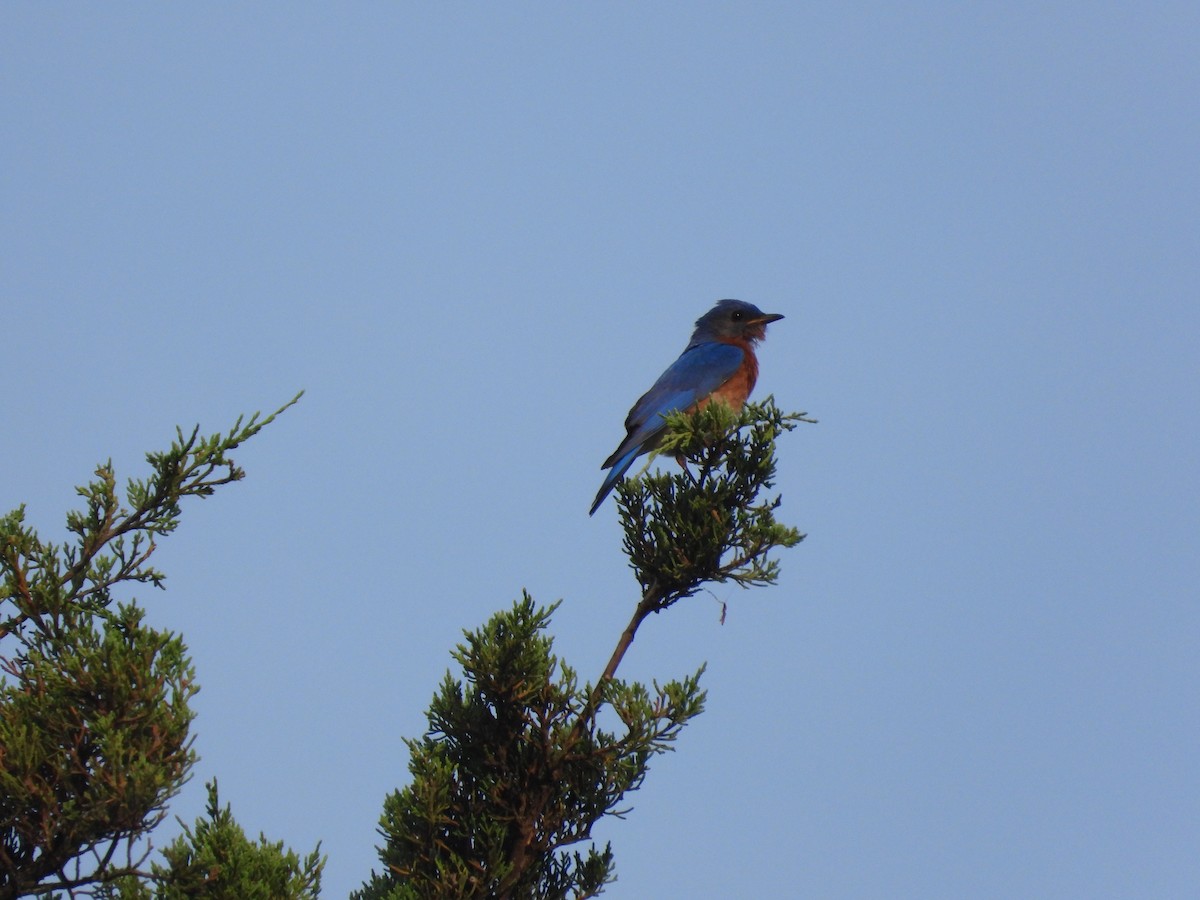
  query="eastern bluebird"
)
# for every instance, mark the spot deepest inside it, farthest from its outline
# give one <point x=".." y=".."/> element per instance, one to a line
<point x="718" y="362"/>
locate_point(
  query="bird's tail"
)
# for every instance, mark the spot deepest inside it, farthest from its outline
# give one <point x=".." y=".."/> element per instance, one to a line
<point x="619" y="468"/>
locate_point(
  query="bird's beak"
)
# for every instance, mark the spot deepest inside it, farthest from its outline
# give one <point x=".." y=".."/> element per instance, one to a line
<point x="767" y="318"/>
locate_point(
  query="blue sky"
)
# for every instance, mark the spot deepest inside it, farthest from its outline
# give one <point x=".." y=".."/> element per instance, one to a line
<point x="475" y="234"/>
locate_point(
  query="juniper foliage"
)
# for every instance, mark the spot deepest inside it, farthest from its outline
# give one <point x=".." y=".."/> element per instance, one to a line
<point x="520" y="761"/>
<point x="94" y="714"/>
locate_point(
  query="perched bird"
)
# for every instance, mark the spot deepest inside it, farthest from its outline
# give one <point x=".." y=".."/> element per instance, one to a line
<point x="718" y="362"/>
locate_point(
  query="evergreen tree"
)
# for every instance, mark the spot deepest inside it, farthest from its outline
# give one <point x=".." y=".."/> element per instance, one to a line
<point x="214" y="860"/>
<point x="516" y="767"/>
<point x="518" y="764"/>
<point x="94" y="714"/>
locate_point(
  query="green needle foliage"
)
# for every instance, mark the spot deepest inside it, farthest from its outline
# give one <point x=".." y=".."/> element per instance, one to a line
<point x="515" y="768"/>
<point x="706" y="523"/>
<point x="94" y="714"/>
<point x="214" y="860"/>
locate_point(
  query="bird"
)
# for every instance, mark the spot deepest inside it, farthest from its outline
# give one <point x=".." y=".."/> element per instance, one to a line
<point x="718" y="363"/>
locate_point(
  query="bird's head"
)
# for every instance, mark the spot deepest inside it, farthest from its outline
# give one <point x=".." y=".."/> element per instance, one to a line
<point x="733" y="319"/>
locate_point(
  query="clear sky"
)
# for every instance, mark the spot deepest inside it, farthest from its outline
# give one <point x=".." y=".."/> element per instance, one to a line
<point x="474" y="234"/>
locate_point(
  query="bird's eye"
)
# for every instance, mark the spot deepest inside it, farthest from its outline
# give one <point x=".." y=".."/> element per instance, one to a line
<point x="737" y="316"/>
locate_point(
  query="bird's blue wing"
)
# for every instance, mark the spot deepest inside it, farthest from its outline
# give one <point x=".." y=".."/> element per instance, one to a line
<point x="699" y="371"/>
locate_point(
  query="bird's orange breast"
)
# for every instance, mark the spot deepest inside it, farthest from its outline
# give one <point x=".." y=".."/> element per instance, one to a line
<point x="737" y="389"/>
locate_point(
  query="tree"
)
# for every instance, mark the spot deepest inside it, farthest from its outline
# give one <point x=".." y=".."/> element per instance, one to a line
<point x="519" y="762"/>
<point x="516" y="766"/>
<point x="94" y="715"/>
<point x="214" y="860"/>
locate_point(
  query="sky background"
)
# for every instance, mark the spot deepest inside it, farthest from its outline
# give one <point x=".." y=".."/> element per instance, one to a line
<point x="475" y="234"/>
